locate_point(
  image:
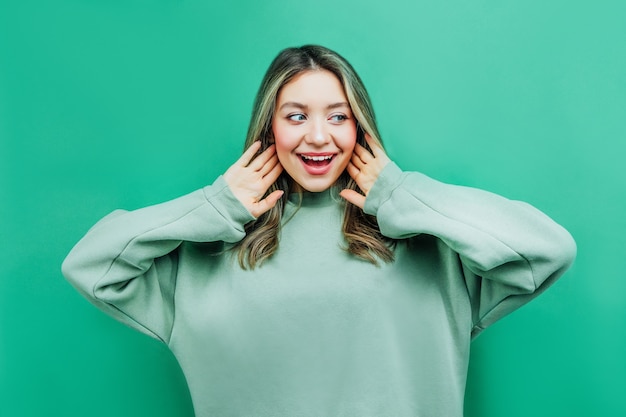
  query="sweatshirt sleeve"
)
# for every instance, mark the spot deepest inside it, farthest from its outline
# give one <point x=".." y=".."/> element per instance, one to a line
<point x="126" y="264"/>
<point x="509" y="251"/>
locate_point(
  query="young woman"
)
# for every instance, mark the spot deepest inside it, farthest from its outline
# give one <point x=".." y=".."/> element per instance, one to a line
<point x="315" y="278"/>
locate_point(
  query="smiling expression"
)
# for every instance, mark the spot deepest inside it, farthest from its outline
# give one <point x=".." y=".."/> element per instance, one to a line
<point x="314" y="129"/>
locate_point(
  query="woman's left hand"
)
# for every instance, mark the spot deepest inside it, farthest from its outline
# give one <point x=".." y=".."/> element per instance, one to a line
<point x="364" y="168"/>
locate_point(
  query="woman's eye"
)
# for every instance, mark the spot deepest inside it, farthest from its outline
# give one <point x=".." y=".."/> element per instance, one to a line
<point x="337" y="118"/>
<point x="298" y="117"/>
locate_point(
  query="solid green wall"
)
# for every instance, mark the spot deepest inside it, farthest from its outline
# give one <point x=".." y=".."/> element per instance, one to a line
<point x="120" y="104"/>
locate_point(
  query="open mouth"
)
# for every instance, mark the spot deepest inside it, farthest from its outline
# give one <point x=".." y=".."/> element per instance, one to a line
<point x="317" y="160"/>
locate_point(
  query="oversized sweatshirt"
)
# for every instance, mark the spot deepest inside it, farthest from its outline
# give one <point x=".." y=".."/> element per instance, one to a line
<point x="315" y="331"/>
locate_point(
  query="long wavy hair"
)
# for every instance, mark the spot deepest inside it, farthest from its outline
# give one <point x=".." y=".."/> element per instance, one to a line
<point x="361" y="230"/>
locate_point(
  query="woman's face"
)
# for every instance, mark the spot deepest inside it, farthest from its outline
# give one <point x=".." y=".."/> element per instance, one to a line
<point x="314" y="129"/>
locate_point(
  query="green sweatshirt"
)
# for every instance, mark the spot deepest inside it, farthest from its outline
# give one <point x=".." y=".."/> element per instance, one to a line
<point x="315" y="331"/>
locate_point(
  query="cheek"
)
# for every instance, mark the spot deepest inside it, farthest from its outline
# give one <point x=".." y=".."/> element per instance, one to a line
<point x="347" y="143"/>
<point x="283" y="141"/>
<point x="349" y="140"/>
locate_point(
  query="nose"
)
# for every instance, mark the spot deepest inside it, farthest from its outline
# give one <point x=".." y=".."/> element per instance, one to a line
<point x="318" y="134"/>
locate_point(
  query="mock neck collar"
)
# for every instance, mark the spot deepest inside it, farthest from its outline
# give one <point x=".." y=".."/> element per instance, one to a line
<point x="319" y="199"/>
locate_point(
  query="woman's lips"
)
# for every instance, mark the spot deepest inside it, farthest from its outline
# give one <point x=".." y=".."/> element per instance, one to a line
<point x="317" y="163"/>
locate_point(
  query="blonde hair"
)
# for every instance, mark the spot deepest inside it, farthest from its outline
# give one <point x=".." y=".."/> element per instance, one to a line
<point x="361" y="230"/>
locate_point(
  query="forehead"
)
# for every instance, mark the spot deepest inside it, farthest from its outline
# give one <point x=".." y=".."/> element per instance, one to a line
<point x="313" y="86"/>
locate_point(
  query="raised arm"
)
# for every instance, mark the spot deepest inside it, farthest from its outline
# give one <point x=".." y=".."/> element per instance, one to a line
<point x="509" y="250"/>
<point x="127" y="263"/>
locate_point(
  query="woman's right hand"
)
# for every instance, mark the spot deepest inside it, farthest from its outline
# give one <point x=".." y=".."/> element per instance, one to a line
<point x="249" y="179"/>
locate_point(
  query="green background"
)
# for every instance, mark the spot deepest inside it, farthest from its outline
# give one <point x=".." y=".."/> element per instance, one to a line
<point x="120" y="104"/>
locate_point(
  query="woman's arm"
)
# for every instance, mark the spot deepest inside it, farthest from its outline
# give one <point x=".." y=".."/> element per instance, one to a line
<point x="510" y="251"/>
<point x="126" y="264"/>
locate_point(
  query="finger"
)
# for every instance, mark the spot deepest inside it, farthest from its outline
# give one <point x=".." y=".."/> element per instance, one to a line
<point x="261" y="159"/>
<point x="271" y="177"/>
<point x="369" y="141"/>
<point x="273" y="198"/>
<point x="353" y="171"/>
<point x="353" y="197"/>
<point x="267" y="203"/>
<point x="269" y="165"/>
<point x="377" y="150"/>
<point x="357" y="161"/>
<point x="247" y="156"/>
<point x="373" y="146"/>
<point x="363" y="153"/>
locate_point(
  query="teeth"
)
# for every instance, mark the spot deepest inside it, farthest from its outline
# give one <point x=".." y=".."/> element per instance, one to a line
<point x="316" y="158"/>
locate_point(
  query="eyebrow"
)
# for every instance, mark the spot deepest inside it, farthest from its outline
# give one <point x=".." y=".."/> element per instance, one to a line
<point x="304" y="106"/>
